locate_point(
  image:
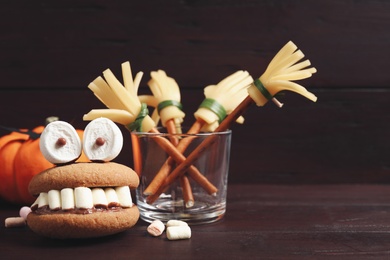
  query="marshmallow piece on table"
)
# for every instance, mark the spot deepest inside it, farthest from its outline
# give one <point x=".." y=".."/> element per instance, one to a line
<point x="60" y="143"/>
<point x="103" y="140"/>
<point x="156" y="228"/>
<point x="178" y="232"/>
<point x="178" y="229"/>
<point x="174" y="222"/>
<point x="14" y="222"/>
<point x="24" y="211"/>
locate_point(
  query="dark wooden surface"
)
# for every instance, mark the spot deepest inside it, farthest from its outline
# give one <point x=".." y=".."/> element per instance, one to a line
<point x="262" y="222"/>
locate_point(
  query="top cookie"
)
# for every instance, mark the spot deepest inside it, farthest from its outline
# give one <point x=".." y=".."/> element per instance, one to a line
<point x="108" y="174"/>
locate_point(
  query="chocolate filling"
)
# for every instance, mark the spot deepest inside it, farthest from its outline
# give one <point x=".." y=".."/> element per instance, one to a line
<point x="46" y="210"/>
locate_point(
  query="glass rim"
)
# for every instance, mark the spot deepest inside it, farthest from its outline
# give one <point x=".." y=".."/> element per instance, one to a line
<point x="163" y="132"/>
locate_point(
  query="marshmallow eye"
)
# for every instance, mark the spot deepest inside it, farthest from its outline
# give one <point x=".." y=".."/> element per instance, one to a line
<point x="60" y="143"/>
<point x="102" y="140"/>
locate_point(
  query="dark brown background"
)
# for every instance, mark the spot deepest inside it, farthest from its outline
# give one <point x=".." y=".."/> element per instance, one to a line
<point x="51" y="50"/>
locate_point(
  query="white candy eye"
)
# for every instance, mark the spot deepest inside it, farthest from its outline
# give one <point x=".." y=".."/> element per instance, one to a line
<point x="102" y="140"/>
<point x="60" y="143"/>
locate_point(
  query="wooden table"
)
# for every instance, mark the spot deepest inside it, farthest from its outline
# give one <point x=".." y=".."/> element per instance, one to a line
<point x="262" y="221"/>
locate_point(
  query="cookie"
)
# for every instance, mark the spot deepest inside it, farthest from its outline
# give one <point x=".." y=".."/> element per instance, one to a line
<point x="83" y="200"/>
<point x="98" y="224"/>
<point x="108" y="174"/>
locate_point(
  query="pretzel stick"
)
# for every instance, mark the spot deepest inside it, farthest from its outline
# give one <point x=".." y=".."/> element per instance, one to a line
<point x="179" y="158"/>
<point x="276" y="78"/>
<point x="184" y="182"/>
<point x="187" y="191"/>
<point x="168" y="164"/>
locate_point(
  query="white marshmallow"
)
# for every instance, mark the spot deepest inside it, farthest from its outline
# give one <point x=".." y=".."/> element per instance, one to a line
<point x="14" y="222"/>
<point x="54" y="198"/>
<point x="43" y="200"/>
<point x="174" y="222"/>
<point x="58" y="154"/>
<point x="99" y="197"/>
<point x="109" y="132"/>
<point x="24" y="211"/>
<point x="67" y="199"/>
<point x="156" y="228"/>
<point x="83" y="197"/>
<point x="178" y="232"/>
<point x="124" y="196"/>
<point x="112" y="197"/>
<point x="35" y="204"/>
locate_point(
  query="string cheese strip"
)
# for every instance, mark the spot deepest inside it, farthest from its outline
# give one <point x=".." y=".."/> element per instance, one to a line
<point x="151" y="101"/>
<point x="119" y="116"/>
<point x="130" y="102"/>
<point x="128" y="80"/>
<point x="137" y="81"/>
<point x="104" y="93"/>
<point x="257" y="94"/>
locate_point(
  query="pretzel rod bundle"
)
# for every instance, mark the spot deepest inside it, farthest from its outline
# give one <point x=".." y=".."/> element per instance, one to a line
<point x="283" y="68"/>
<point x="179" y="158"/>
<point x="125" y="108"/>
<point x="184" y="181"/>
<point x="166" y="94"/>
<point x="169" y="163"/>
<point x="221" y="99"/>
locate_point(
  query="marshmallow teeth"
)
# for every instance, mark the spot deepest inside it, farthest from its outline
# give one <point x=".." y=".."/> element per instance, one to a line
<point x="102" y="140"/>
<point x="85" y="198"/>
<point x="60" y="143"/>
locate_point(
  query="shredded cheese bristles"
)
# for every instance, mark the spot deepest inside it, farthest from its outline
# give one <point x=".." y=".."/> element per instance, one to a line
<point x="122" y="102"/>
<point x="223" y="98"/>
<point x="284" y="68"/>
<point x="167" y="94"/>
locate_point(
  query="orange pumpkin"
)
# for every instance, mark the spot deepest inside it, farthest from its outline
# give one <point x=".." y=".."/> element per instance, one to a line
<point x="9" y="147"/>
<point x="20" y="160"/>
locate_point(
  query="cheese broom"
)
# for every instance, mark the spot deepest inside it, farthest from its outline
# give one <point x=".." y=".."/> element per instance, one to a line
<point x="283" y="68"/>
<point x="166" y="98"/>
<point x="220" y="100"/>
<point x="125" y="108"/>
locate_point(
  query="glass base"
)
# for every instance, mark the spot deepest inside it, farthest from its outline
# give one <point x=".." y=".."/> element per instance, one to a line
<point x="165" y="209"/>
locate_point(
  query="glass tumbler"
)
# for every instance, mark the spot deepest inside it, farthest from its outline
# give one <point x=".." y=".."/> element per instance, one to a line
<point x="198" y="196"/>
